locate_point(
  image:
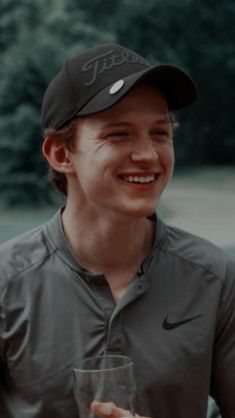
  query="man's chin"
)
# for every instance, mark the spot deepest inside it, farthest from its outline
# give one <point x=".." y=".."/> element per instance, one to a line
<point x="141" y="212"/>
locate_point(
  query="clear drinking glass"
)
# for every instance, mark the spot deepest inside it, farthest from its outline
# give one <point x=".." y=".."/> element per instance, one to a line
<point x="104" y="378"/>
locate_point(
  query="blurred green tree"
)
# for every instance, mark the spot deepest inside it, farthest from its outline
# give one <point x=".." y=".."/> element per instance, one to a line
<point x="15" y="17"/>
<point x="28" y="62"/>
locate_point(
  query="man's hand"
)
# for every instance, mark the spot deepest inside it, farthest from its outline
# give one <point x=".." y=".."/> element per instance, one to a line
<point x="110" y="410"/>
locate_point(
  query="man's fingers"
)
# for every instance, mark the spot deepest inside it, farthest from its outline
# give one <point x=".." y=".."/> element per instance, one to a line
<point x="108" y="409"/>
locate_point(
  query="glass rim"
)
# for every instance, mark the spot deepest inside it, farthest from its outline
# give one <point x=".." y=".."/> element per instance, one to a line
<point x="130" y="362"/>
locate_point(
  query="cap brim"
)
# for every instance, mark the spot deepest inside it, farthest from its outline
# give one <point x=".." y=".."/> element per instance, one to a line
<point x="178" y="88"/>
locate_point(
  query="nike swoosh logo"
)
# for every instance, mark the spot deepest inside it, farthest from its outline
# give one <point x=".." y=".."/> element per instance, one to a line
<point x="172" y="325"/>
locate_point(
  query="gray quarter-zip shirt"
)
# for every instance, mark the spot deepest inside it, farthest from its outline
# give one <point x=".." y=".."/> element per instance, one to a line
<point x="176" y="320"/>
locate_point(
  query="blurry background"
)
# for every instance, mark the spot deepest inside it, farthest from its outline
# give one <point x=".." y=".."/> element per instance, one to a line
<point x="36" y="36"/>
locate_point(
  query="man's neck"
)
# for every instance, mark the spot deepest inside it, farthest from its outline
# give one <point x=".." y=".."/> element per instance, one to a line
<point x="102" y="245"/>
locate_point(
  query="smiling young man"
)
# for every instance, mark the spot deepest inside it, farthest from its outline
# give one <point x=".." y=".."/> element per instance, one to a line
<point x="106" y="275"/>
<point x="122" y="161"/>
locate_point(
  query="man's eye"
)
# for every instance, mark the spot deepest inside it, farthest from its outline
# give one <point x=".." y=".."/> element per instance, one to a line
<point x="161" y="134"/>
<point x="118" y="133"/>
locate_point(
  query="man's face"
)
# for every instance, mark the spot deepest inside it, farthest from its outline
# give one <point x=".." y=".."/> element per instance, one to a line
<point x="124" y="156"/>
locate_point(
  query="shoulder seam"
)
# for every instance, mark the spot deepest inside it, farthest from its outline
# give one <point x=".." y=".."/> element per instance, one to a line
<point x="190" y="262"/>
<point x="14" y="276"/>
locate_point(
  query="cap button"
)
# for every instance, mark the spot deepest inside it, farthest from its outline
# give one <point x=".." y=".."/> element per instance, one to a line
<point x="116" y="86"/>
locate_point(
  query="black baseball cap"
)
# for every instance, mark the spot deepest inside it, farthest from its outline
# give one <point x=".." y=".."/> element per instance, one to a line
<point x="98" y="78"/>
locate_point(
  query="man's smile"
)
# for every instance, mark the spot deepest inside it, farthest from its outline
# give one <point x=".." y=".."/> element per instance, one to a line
<point x="141" y="179"/>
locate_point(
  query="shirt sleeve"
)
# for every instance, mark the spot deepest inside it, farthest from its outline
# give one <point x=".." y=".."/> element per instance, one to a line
<point x="223" y="361"/>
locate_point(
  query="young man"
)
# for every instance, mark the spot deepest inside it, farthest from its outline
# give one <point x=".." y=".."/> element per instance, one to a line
<point x="106" y="275"/>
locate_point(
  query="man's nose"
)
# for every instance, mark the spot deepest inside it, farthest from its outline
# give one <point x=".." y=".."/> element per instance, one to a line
<point x="143" y="149"/>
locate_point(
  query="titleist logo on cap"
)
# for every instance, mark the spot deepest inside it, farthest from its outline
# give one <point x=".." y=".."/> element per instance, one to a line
<point x="107" y="61"/>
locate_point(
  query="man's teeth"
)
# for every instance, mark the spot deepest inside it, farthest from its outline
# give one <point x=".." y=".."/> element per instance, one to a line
<point x="139" y="179"/>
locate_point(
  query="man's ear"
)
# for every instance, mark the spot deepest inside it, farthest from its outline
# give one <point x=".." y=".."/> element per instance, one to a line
<point x="57" y="155"/>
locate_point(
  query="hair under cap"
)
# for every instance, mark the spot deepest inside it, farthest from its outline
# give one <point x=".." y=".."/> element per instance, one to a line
<point x="98" y="78"/>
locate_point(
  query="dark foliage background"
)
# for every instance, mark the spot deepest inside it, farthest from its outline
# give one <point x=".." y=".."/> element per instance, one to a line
<point x="37" y="36"/>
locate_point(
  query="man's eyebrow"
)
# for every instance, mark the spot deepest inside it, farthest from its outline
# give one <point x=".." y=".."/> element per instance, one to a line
<point x="116" y="124"/>
<point x="113" y="124"/>
<point x="165" y="119"/>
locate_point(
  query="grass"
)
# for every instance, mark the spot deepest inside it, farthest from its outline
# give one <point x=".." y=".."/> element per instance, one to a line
<point x="16" y="221"/>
